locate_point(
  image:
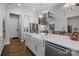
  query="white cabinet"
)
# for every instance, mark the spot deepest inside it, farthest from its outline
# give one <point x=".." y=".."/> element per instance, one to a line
<point x="35" y="45"/>
<point x="26" y="21"/>
<point x="40" y="50"/>
<point x="36" y="48"/>
<point x="33" y="19"/>
<point x="27" y="39"/>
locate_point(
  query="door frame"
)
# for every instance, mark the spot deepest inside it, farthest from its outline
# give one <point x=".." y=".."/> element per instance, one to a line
<point x="7" y="17"/>
<point x="68" y="20"/>
<point x="18" y="30"/>
<point x="4" y="30"/>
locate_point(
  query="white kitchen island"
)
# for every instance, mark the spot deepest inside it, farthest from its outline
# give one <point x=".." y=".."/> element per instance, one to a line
<point x="38" y="41"/>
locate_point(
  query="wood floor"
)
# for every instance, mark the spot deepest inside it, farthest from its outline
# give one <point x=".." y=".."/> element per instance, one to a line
<point x="16" y="48"/>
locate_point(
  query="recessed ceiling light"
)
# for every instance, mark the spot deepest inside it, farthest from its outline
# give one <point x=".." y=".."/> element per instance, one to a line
<point x="18" y="4"/>
<point x="40" y="16"/>
<point x="34" y="9"/>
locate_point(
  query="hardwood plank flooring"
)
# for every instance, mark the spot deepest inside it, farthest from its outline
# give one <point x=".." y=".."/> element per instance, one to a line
<point x="16" y="48"/>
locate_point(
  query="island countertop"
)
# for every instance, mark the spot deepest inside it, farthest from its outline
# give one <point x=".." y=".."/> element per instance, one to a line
<point x="61" y="40"/>
<point x="64" y="41"/>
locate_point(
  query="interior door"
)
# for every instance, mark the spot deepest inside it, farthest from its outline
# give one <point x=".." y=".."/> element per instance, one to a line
<point x="14" y="25"/>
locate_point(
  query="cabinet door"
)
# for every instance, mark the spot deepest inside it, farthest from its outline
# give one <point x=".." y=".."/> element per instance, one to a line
<point x="36" y="49"/>
<point x="35" y="45"/>
<point x="40" y="50"/>
<point x="32" y="47"/>
<point x="28" y="38"/>
<point x="25" y="36"/>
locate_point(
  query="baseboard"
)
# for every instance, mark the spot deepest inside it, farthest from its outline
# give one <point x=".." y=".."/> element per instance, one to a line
<point x="6" y="43"/>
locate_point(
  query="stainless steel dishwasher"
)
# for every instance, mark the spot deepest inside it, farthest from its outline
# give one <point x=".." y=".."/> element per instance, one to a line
<point x="52" y="49"/>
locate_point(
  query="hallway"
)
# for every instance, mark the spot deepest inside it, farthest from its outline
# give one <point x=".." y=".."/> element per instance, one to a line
<point x="16" y="48"/>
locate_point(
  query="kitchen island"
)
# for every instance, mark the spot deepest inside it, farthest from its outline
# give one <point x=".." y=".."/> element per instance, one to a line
<point x="61" y="40"/>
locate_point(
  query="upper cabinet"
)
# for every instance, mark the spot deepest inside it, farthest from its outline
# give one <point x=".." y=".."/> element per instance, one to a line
<point x="26" y="21"/>
<point x="30" y="24"/>
<point x="33" y="19"/>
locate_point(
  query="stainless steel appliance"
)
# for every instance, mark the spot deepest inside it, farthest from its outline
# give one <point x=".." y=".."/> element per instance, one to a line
<point x="33" y="27"/>
<point x="52" y="49"/>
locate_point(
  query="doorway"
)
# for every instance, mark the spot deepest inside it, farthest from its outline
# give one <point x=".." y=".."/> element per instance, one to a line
<point x="73" y="22"/>
<point x="14" y="26"/>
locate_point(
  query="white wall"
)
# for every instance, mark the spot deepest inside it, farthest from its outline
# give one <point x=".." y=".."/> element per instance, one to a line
<point x="8" y="11"/>
<point x="2" y="15"/>
<point x="60" y="20"/>
<point x="73" y="12"/>
<point x="22" y="13"/>
<point x="61" y="17"/>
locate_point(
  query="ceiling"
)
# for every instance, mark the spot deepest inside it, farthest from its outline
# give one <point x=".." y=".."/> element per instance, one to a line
<point x="35" y="6"/>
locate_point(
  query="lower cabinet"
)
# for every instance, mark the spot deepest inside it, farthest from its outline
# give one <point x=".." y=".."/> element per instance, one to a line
<point x="40" y="51"/>
<point x="27" y="39"/>
<point x="33" y="44"/>
<point x="37" y="49"/>
<point x="42" y="48"/>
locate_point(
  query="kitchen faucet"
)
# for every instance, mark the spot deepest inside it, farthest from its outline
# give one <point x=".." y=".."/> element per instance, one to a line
<point x="44" y="30"/>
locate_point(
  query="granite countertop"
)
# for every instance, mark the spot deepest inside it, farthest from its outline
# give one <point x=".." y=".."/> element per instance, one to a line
<point x="61" y="40"/>
<point x="64" y="41"/>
